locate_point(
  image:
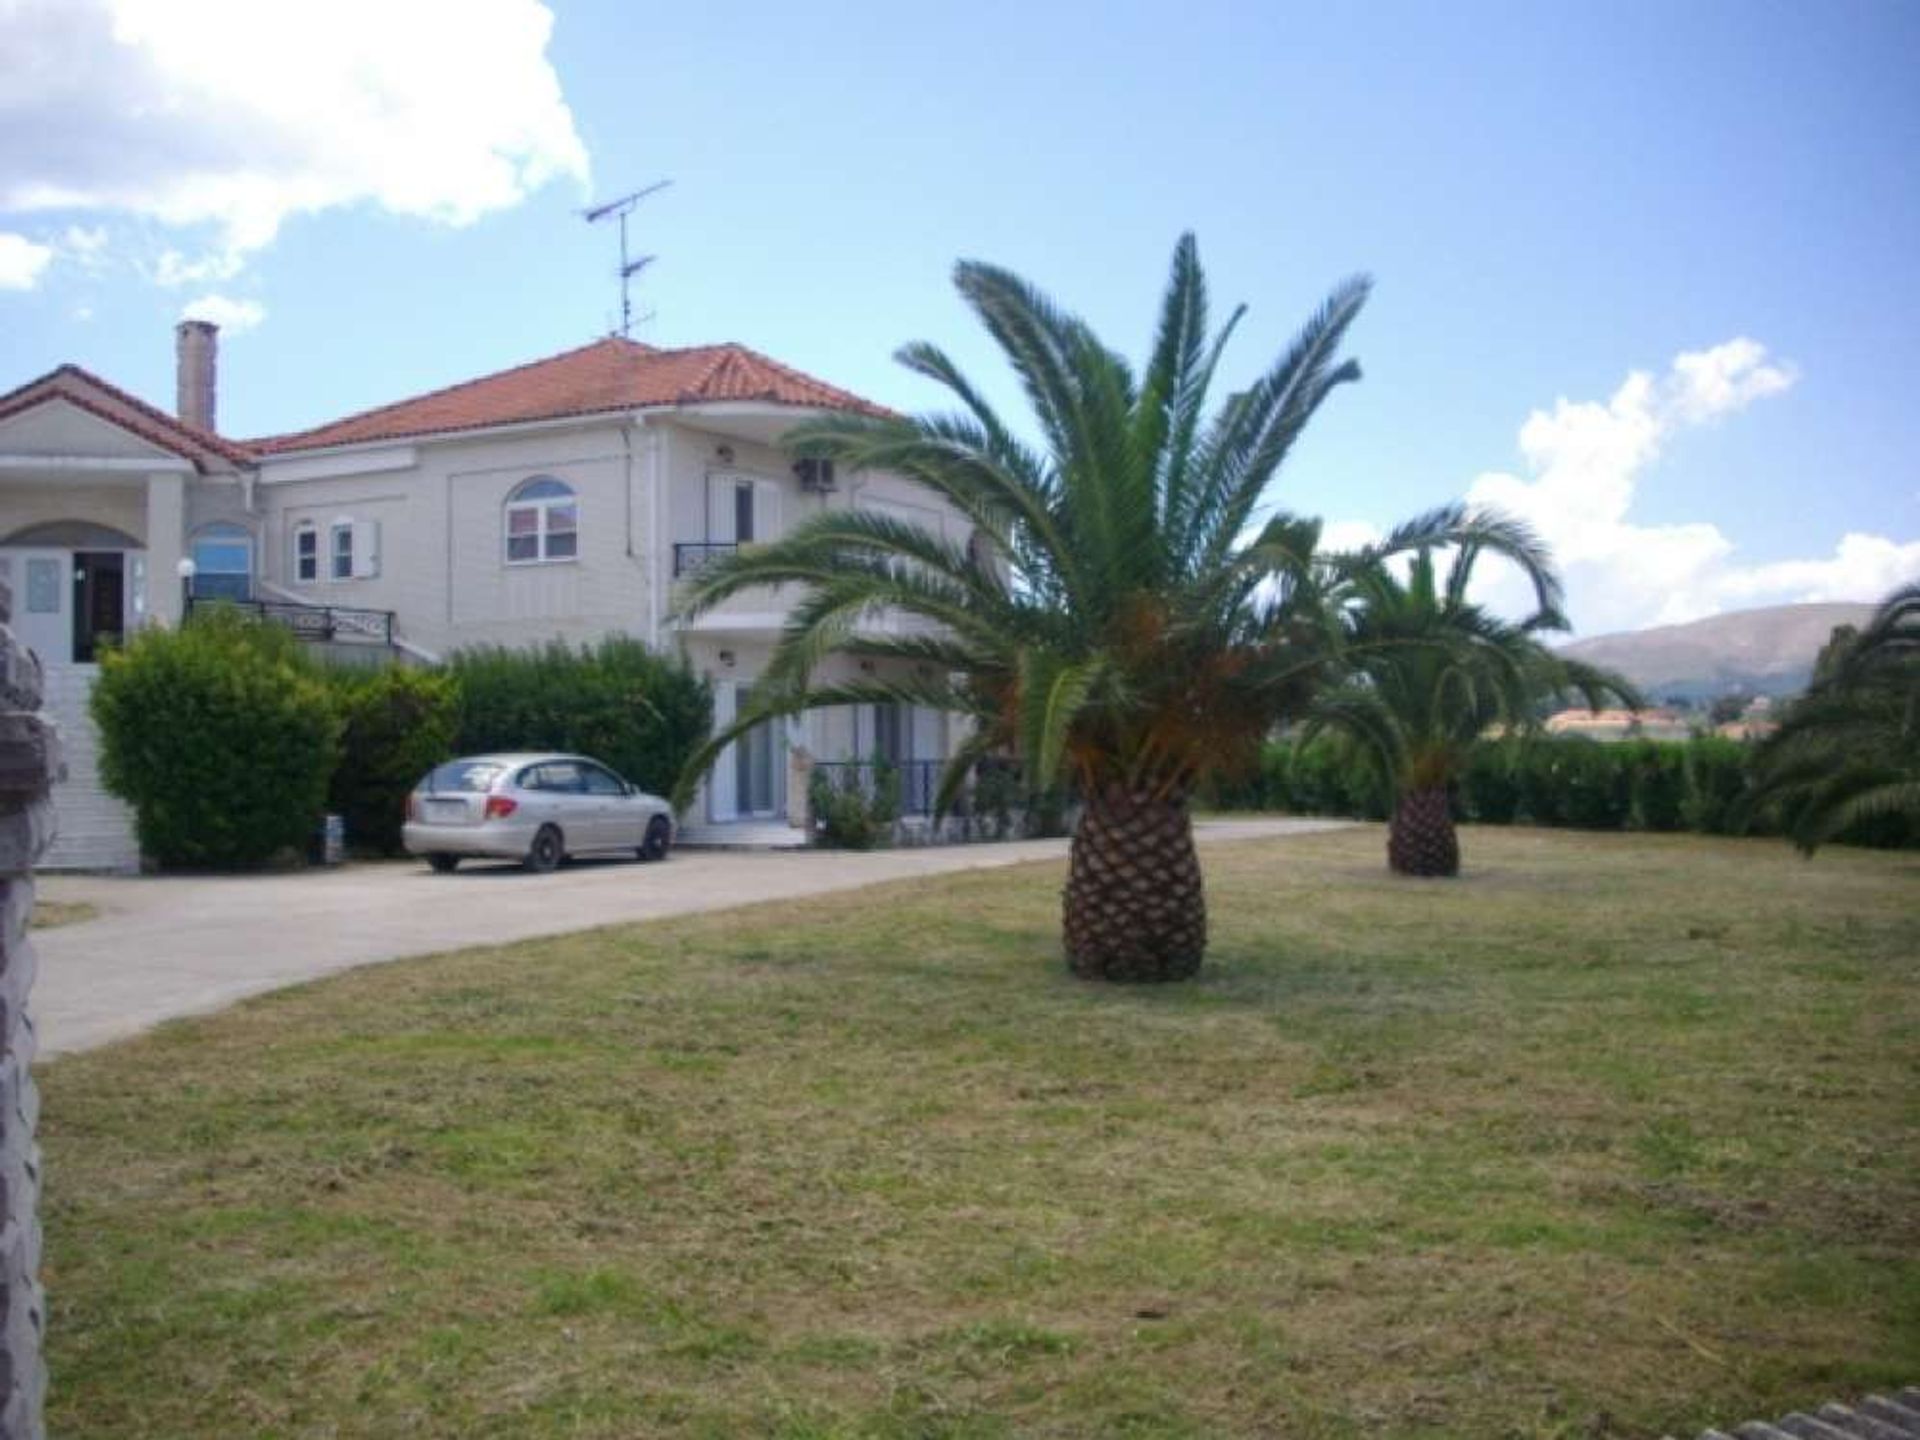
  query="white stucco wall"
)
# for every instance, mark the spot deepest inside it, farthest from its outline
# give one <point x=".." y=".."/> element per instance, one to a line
<point x="442" y="553"/>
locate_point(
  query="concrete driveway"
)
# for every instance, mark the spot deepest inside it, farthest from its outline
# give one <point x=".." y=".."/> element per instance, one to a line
<point x="165" y="947"/>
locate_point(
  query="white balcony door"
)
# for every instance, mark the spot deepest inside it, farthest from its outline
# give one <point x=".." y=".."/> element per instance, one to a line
<point x="748" y="781"/>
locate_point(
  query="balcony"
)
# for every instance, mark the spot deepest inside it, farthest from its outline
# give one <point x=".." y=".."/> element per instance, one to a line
<point x="337" y="624"/>
<point x="691" y="557"/>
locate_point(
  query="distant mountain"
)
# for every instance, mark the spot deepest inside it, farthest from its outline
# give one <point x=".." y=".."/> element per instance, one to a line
<point x="1757" y="652"/>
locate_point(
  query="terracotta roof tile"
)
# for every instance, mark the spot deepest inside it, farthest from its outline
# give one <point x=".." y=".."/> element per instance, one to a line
<point x="87" y="391"/>
<point x="608" y="375"/>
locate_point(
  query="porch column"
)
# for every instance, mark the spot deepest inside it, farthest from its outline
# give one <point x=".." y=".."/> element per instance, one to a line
<point x="166" y="544"/>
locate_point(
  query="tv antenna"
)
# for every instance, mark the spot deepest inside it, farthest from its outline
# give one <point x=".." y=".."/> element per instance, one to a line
<point x="620" y="209"/>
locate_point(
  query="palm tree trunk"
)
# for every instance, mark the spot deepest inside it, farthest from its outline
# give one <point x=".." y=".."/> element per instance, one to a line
<point x="1421" y="840"/>
<point x="1135" y="908"/>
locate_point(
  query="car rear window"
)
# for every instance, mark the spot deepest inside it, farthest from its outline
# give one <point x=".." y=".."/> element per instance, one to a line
<point x="464" y="776"/>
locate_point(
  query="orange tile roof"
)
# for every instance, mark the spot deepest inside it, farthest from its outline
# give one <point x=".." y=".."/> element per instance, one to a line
<point x="608" y="375"/>
<point x="87" y="391"/>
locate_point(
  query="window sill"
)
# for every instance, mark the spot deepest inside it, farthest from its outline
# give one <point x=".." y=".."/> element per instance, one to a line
<point x="534" y="564"/>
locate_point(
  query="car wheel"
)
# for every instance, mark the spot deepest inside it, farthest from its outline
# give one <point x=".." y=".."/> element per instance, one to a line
<point x="546" y="852"/>
<point x="443" y="864"/>
<point x="659" y="837"/>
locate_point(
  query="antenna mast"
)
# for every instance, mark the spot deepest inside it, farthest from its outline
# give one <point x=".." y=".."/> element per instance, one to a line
<point x="620" y="209"/>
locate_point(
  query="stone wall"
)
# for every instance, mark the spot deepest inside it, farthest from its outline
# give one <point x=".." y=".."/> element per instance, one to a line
<point x="29" y="764"/>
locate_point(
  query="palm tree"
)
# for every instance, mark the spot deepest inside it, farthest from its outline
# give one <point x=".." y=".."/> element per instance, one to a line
<point x="1125" y="621"/>
<point x="1432" y="674"/>
<point x="1848" y="750"/>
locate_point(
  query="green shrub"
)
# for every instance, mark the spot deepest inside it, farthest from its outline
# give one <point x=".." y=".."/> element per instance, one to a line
<point x="1656" y="785"/>
<point x="221" y="736"/>
<point x="396" y="724"/>
<point x="1716" y="769"/>
<point x="1590" y="782"/>
<point x="1489" y="786"/>
<point x="844" y="815"/>
<point x="997" y="792"/>
<point x="640" y="712"/>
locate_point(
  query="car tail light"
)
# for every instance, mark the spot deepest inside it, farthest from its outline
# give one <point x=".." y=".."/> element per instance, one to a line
<point x="413" y="807"/>
<point x="499" y="807"/>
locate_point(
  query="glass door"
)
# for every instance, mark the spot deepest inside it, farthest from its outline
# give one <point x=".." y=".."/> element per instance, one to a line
<point x="757" y="761"/>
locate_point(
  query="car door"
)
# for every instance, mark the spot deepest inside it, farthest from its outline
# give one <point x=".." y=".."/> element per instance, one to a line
<point x="560" y="799"/>
<point x="618" y="817"/>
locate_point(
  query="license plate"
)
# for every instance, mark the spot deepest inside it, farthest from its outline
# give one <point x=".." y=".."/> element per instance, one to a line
<point x="447" y="810"/>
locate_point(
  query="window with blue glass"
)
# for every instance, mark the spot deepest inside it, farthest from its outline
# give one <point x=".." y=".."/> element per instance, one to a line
<point x="222" y="563"/>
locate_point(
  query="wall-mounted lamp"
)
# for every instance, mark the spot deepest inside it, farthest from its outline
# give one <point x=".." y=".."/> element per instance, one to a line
<point x="726" y="658"/>
<point x="724" y="453"/>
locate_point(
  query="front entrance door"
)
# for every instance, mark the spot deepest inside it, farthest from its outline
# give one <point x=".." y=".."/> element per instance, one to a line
<point x="99" y="601"/>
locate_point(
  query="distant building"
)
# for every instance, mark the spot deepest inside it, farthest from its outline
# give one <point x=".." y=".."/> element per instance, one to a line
<point x="1650" y="724"/>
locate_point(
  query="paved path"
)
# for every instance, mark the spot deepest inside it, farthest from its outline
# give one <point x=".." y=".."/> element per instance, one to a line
<point x="163" y="947"/>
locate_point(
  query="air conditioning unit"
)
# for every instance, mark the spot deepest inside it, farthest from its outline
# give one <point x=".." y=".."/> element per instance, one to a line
<point x="816" y="476"/>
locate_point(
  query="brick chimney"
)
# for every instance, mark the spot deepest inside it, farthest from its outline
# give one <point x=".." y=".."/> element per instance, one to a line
<point x="196" y="352"/>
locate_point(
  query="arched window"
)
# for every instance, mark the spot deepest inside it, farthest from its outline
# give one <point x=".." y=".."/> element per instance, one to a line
<point x="222" y="563"/>
<point x="543" y="522"/>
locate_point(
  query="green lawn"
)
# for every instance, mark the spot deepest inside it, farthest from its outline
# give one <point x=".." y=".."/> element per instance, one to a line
<point x="1616" y="1135"/>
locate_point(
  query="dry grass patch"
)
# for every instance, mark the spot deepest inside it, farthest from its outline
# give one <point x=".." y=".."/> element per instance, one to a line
<point x="49" y="913"/>
<point x="1615" y="1135"/>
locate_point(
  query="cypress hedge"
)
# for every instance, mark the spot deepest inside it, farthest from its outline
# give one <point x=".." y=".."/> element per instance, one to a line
<point x="396" y="724"/>
<point x="627" y="706"/>
<point x="230" y="738"/>
<point x="1700" y="785"/>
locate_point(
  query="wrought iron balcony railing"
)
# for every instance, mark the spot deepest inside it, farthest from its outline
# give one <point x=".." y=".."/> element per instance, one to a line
<point x="310" y="622"/>
<point x="691" y="557"/>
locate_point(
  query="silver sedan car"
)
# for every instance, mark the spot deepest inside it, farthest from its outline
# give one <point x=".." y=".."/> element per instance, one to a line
<point x="536" y="808"/>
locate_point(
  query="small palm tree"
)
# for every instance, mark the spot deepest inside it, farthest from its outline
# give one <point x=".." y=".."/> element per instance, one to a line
<point x="1848" y="750"/>
<point x="1433" y="674"/>
<point x="1123" y="621"/>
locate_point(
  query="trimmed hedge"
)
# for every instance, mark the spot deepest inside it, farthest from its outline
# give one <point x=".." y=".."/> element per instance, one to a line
<point x="1700" y="784"/>
<point x="1563" y="781"/>
<point x="230" y="739"/>
<point x="396" y="725"/>
<point x="642" y="713"/>
<point x="222" y="736"/>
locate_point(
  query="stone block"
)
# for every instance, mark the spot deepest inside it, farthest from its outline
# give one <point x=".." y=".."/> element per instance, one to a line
<point x="29" y="758"/>
<point x="22" y="681"/>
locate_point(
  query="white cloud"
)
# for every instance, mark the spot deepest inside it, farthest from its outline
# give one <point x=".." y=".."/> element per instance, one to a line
<point x="174" y="268"/>
<point x="85" y="245"/>
<point x="235" y="117"/>
<point x="236" y="317"/>
<point x="21" y="261"/>
<point x="1586" y="461"/>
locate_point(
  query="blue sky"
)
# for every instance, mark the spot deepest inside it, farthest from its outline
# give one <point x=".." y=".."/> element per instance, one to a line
<point x="1551" y="198"/>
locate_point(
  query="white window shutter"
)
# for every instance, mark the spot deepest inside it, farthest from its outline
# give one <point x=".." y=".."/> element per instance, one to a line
<point x="720" y="488"/>
<point x="366" y="549"/>
<point x="766" y="510"/>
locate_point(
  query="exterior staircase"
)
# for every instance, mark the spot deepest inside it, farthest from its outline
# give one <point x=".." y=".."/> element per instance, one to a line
<point x="95" y="830"/>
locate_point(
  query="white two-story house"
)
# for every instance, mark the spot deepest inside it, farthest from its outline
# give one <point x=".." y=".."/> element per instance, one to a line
<point x="562" y="498"/>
